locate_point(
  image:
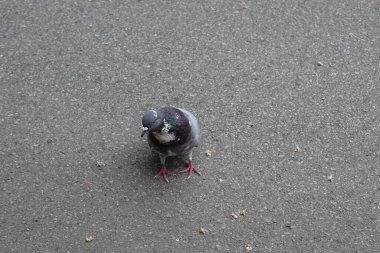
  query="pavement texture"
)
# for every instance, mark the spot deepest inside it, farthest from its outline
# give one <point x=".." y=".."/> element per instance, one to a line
<point x="287" y="94"/>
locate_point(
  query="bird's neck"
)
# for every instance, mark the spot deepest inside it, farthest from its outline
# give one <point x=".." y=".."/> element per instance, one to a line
<point x="165" y="136"/>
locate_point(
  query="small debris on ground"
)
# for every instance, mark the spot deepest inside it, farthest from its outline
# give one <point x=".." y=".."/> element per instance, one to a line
<point x="350" y="34"/>
<point x="289" y="226"/>
<point x="203" y="231"/>
<point x="179" y="238"/>
<point x="243" y="212"/>
<point x="233" y="215"/>
<point x="105" y="43"/>
<point x="297" y="149"/>
<point x="251" y="124"/>
<point x="248" y="247"/>
<point x="209" y="152"/>
<point x="89" y="238"/>
<point x="319" y="63"/>
<point x="331" y="178"/>
<point x="100" y="163"/>
<point x="378" y="206"/>
<point x="244" y="6"/>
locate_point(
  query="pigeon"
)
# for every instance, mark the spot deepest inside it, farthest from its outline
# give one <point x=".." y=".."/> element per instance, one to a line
<point x="172" y="132"/>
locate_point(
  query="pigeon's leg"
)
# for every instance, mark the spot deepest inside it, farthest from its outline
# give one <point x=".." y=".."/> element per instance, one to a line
<point x="190" y="167"/>
<point x="163" y="170"/>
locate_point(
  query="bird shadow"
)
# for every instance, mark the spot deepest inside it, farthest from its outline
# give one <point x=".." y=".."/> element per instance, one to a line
<point x="140" y="164"/>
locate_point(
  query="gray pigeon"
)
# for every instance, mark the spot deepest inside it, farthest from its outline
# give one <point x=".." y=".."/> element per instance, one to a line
<point x="172" y="132"/>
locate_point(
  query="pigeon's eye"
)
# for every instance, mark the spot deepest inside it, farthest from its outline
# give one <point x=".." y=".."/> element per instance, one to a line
<point x="154" y="122"/>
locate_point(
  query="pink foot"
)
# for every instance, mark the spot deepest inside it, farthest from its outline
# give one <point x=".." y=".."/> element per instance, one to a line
<point x="190" y="169"/>
<point x="164" y="173"/>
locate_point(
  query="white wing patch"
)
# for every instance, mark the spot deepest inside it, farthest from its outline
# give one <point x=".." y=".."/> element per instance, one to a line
<point x="166" y="127"/>
<point x="164" y="136"/>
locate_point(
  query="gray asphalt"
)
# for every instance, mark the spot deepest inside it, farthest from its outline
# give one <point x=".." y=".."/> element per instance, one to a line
<point x="287" y="94"/>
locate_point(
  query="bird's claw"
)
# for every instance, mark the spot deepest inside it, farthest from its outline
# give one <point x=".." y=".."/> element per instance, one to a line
<point x="164" y="173"/>
<point x="190" y="169"/>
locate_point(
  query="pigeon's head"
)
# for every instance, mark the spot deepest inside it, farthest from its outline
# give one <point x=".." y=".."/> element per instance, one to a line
<point x="152" y="122"/>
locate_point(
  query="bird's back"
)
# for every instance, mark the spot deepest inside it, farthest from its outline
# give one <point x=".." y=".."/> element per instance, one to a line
<point x="195" y="130"/>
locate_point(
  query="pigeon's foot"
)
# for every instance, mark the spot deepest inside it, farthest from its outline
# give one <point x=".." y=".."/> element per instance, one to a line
<point x="190" y="169"/>
<point x="164" y="173"/>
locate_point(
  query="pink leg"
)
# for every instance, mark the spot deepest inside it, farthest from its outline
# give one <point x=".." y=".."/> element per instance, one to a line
<point x="190" y="169"/>
<point x="164" y="173"/>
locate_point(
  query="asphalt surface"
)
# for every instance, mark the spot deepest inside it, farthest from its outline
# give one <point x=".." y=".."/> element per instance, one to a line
<point x="287" y="94"/>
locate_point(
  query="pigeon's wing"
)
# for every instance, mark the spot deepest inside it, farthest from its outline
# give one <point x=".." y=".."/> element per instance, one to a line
<point x="195" y="130"/>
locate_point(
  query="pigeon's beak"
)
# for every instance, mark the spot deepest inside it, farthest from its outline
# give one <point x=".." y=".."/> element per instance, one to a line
<point x="144" y="130"/>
